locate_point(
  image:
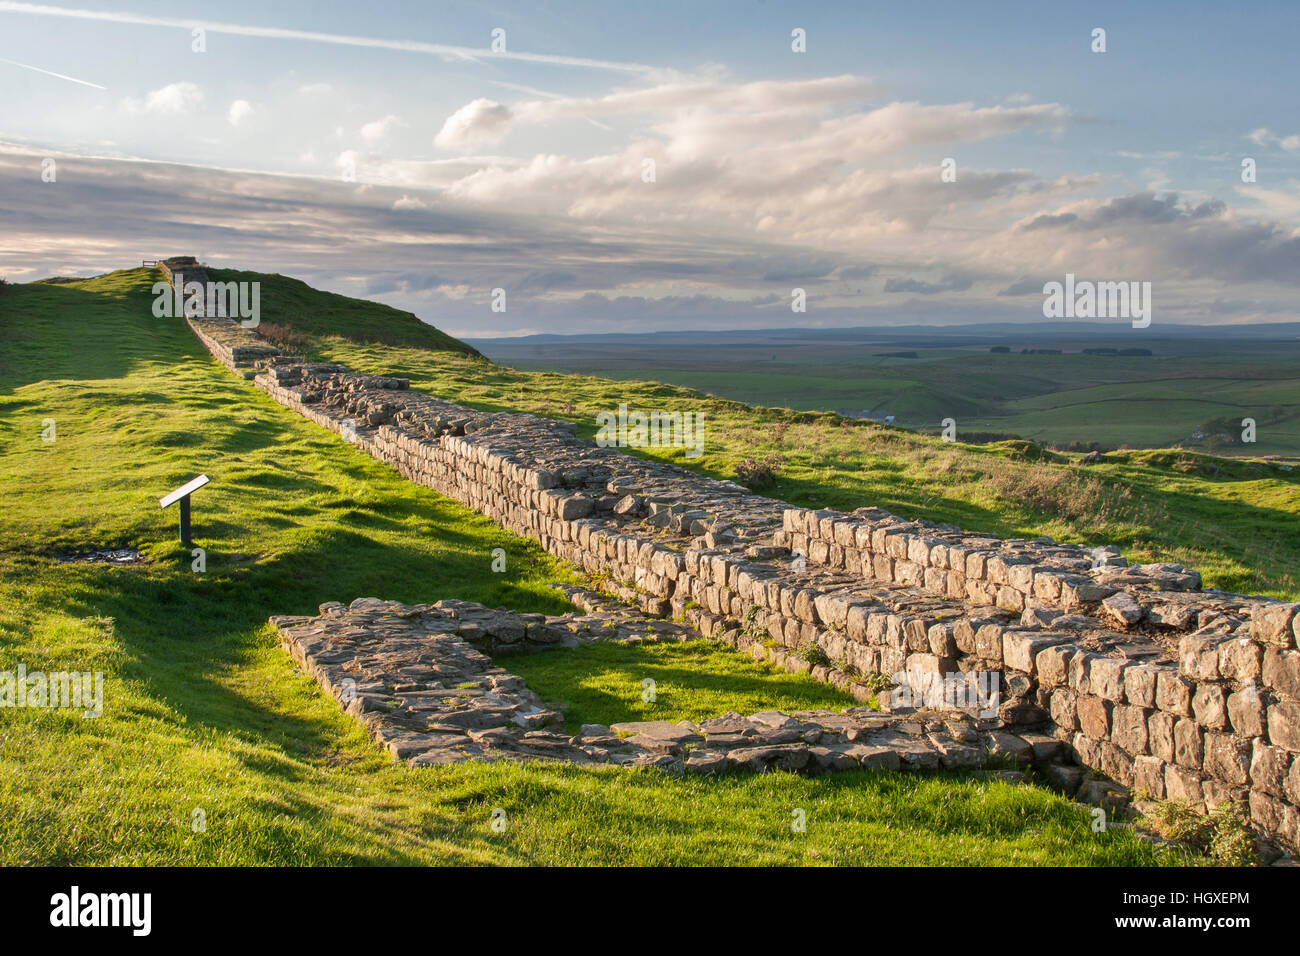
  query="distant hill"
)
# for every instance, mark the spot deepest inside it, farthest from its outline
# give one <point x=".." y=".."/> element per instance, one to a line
<point x="291" y="303"/>
<point x="920" y="336"/>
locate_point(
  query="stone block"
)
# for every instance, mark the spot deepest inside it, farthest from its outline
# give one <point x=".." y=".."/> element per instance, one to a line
<point x="1284" y="725"/>
<point x="1094" y="716"/>
<point x="1281" y="671"/>
<point x="1173" y="693"/>
<point x="1227" y="758"/>
<point x="1189" y="747"/>
<point x="1210" y="706"/>
<point x="1274" y="624"/>
<point x="1160" y="735"/>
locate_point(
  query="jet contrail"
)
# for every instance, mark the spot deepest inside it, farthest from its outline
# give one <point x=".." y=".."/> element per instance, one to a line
<point x="28" y="66"/>
<point x="279" y="33"/>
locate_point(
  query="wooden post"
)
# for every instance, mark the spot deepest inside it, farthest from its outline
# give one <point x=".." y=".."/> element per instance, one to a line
<point x="185" y="520"/>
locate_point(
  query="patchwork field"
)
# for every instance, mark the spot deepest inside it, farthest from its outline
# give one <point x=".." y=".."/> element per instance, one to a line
<point x="203" y="711"/>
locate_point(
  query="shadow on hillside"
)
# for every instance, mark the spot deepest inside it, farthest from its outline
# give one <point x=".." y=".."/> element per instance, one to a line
<point x="60" y="332"/>
<point x="181" y="631"/>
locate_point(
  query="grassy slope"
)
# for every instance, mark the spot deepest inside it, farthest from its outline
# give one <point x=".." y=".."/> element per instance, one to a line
<point x="204" y="711"/>
<point x="312" y="312"/>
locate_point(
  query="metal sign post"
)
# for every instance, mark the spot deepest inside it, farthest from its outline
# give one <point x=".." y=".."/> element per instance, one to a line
<point x="182" y="494"/>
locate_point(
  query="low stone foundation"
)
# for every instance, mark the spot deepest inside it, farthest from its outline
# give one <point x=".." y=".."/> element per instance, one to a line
<point x="417" y="678"/>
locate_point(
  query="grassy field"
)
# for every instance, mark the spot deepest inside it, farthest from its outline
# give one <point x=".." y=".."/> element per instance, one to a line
<point x="204" y="712"/>
<point x="1110" y="401"/>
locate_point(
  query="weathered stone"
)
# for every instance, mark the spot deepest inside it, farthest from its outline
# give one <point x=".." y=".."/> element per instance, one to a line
<point x="1063" y="707"/>
<point x="1149" y="776"/>
<point x="1094" y="716"/>
<point x="657" y="735"/>
<point x="1227" y="758"/>
<point x="1106" y="678"/>
<point x="1210" y="706"/>
<point x="1281" y="671"/>
<point x="1189" y="749"/>
<point x="1020" y="649"/>
<point x="1284" y="725"/>
<point x="1052" y="665"/>
<point x="1160" y="735"/>
<point x="1009" y="747"/>
<point x="1122" y="610"/>
<point x="705" y="761"/>
<point x="1198" y="657"/>
<point x="1183" y="786"/>
<point x="1272" y="624"/>
<point x="1240" y="659"/>
<point x="1129" y="728"/>
<point x="873" y="757"/>
<point x="1246" y="712"/>
<point x="1268" y="769"/>
<point x="1173" y="694"/>
<point x="1140" y="685"/>
<point x="1065" y="778"/>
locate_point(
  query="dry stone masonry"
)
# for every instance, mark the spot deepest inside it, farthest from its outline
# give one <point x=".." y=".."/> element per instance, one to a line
<point x="418" y="678"/>
<point x="1177" y="691"/>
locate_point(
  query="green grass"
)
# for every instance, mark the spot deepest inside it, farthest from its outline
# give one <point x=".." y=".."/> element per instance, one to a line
<point x="602" y="683"/>
<point x="288" y="301"/>
<point x="204" y="711"/>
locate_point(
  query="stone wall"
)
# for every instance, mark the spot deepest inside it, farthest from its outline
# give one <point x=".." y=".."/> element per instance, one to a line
<point x="417" y="677"/>
<point x="1181" y="692"/>
<point x="229" y="342"/>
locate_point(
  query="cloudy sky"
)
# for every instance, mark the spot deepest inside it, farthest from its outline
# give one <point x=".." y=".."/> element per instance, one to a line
<point x="387" y="150"/>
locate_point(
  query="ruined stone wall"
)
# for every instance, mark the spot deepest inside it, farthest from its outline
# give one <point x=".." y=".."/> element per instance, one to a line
<point x="1185" y="693"/>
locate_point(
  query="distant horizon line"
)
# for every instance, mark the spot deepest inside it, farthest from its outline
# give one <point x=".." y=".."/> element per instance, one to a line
<point x="1009" y="326"/>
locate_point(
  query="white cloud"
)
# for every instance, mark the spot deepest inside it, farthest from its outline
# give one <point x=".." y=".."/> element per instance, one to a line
<point x="481" y="122"/>
<point x="1265" y="136"/>
<point x="380" y="128"/>
<point x="239" y="111"/>
<point x="182" y="97"/>
<point x="315" y="89"/>
<point x="795" y="161"/>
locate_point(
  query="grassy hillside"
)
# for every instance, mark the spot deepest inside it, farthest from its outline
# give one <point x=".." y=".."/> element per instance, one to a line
<point x="203" y="711"/>
<point x="293" y="304"/>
